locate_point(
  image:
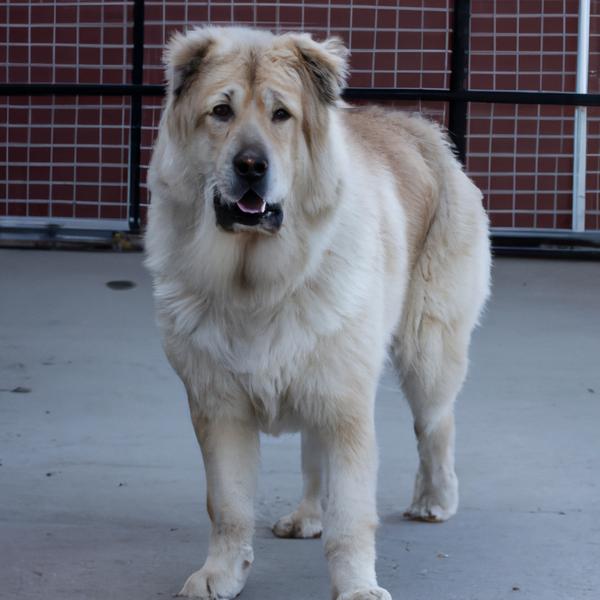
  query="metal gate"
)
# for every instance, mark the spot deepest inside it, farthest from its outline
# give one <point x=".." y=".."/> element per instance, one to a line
<point x="516" y="83"/>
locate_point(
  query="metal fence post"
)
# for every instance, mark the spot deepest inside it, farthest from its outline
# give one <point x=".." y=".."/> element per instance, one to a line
<point x="135" y="130"/>
<point x="459" y="76"/>
<point x="580" y="132"/>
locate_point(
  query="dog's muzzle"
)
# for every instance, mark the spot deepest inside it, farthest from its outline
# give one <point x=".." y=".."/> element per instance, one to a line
<point x="249" y="211"/>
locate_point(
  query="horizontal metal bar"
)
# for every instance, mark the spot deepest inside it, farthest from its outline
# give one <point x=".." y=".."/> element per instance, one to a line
<point x="25" y="234"/>
<point x="554" y="252"/>
<point x="79" y="89"/>
<point x="484" y="96"/>
<point x="537" y="243"/>
<point x="499" y="234"/>
<point x="535" y="237"/>
<point x="554" y="98"/>
<point x="63" y="223"/>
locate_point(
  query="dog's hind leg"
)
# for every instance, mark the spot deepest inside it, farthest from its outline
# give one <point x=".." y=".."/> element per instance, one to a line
<point x="305" y="521"/>
<point x="435" y="496"/>
<point x="446" y="294"/>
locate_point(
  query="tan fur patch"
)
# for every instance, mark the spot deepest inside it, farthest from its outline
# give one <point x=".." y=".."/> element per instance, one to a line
<point x="402" y="141"/>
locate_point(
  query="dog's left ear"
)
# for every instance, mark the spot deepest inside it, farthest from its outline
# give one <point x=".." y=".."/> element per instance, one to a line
<point x="326" y="63"/>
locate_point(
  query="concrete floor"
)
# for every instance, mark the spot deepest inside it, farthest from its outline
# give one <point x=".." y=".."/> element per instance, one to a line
<point x="101" y="483"/>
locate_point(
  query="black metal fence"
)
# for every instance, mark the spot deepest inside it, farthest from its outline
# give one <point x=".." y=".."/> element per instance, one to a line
<point x="458" y="96"/>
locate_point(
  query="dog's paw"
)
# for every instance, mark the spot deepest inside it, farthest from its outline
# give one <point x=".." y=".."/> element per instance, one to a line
<point x="298" y="525"/>
<point x="427" y="512"/>
<point x="219" y="580"/>
<point x="434" y="502"/>
<point x="375" y="593"/>
<point x="208" y="584"/>
<point x="428" y="507"/>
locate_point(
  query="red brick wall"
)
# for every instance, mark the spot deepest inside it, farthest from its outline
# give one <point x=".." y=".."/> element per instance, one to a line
<point x="64" y="157"/>
<point x="521" y="156"/>
<point x="67" y="156"/>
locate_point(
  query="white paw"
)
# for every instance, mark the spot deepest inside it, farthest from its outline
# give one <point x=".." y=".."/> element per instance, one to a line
<point x="375" y="593"/>
<point x="298" y="525"/>
<point x="435" y="501"/>
<point x="429" y="512"/>
<point x="219" y="579"/>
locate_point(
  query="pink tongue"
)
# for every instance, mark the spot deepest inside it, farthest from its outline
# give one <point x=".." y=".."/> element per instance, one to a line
<point x="251" y="203"/>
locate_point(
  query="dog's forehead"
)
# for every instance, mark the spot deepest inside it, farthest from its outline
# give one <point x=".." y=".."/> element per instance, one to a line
<point x="273" y="65"/>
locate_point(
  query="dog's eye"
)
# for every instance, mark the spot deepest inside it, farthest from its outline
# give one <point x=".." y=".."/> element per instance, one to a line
<point x="281" y="115"/>
<point x="222" y="111"/>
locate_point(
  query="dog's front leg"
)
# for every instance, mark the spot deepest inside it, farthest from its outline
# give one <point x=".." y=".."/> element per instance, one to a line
<point x="350" y="517"/>
<point x="231" y="452"/>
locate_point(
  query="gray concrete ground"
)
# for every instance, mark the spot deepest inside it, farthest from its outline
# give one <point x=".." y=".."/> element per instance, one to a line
<point x="101" y="483"/>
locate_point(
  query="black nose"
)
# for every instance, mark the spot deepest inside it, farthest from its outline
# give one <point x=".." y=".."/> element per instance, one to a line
<point x="250" y="164"/>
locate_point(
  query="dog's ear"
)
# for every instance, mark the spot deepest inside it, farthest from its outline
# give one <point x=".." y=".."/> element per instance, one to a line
<point x="326" y="63"/>
<point x="184" y="56"/>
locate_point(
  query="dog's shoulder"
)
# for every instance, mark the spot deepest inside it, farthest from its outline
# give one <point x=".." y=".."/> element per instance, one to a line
<point x="379" y="126"/>
<point x="412" y="151"/>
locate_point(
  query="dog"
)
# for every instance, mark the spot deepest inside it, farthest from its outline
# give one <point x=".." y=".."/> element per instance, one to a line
<point x="295" y="242"/>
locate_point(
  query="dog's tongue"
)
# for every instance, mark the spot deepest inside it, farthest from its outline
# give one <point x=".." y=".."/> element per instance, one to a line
<point x="251" y="202"/>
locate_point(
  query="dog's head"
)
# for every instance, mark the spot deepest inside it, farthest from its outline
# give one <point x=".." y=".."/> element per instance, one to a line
<point x="250" y="110"/>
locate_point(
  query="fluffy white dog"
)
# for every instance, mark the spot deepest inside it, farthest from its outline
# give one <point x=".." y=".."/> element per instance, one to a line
<point x="294" y="241"/>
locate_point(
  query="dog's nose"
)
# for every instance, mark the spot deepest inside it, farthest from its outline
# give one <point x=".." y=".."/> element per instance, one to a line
<point x="250" y="164"/>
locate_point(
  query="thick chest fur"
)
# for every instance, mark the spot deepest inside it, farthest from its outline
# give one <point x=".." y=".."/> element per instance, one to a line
<point x="260" y="361"/>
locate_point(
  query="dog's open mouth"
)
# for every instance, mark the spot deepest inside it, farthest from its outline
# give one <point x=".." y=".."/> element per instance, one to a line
<point x="251" y="203"/>
<point x="249" y="211"/>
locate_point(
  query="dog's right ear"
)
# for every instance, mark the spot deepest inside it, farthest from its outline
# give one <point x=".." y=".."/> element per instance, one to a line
<point x="183" y="58"/>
